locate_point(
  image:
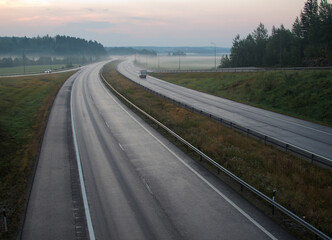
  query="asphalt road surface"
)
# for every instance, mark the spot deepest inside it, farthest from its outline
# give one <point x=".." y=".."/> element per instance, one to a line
<point x="302" y="134"/>
<point x="138" y="185"/>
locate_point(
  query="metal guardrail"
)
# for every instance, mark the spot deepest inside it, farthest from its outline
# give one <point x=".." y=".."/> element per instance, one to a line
<point x="211" y="70"/>
<point x="224" y="170"/>
<point x="240" y="69"/>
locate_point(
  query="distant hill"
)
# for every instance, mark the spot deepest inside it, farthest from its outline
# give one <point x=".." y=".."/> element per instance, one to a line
<point x="129" y="51"/>
<point x="59" y="45"/>
<point x="150" y="50"/>
<point x="205" y="50"/>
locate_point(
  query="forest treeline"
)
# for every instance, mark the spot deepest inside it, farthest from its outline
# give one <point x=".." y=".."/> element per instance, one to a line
<point x="57" y="46"/>
<point x="125" y="51"/>
<point x="45" y="60"/>
<point x="51" y="51"/>
<point x="308" y="43"/>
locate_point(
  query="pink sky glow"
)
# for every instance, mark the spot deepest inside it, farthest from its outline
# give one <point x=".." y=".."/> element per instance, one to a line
<point x="146" y="22"/>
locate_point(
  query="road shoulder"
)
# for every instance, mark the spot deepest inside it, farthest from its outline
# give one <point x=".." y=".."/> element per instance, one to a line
<point x="54" y="209"/>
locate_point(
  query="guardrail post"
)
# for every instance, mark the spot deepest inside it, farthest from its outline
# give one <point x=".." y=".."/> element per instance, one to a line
<point x="4" y="219"/>
<point x="312" y="158"/>
<point x="248" y="131"/>
<point x="200" y="158"/>
<point x="273" y="198"/>
<point x="241" y="188"/>
<point x="287" y="147"/>
<point x="265" y="137"/>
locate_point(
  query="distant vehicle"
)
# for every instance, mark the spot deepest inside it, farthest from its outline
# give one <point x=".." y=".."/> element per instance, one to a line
<point x="48" y="71"/>
<point x="142" y="74"/>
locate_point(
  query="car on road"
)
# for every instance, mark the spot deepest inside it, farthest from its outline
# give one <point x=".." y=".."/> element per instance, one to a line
<point x="142" y="74"/>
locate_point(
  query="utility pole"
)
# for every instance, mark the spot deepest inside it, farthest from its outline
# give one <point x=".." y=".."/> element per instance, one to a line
<point x="215" y="55"/>
<point x="280" y="49"/>
<point x="24" y="59"/>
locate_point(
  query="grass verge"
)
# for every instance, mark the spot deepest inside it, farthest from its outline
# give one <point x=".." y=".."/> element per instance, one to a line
<point x="302" y="94"/>
<point x="303" y="188"/>
<point x="25" y="103"/>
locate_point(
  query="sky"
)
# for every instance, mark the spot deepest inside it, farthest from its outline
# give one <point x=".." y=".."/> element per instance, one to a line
<point x="146" y="22"/>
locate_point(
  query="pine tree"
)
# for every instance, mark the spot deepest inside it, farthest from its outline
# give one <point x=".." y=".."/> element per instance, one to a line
<point x="309" y="19"/>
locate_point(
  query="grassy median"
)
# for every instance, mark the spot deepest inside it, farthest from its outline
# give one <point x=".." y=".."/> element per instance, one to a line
<point x="302" y="94"/>
<point x="25" y="104"/>
<point x="304" y="188"/>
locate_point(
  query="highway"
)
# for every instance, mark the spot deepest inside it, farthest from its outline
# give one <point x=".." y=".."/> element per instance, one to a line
<point x="137" y="184"/>
<point x="302" y="134"/>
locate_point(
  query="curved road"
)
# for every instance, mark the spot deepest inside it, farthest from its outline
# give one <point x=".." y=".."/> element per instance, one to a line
<point x="138" y="185"/>
<point x="303" y="134"/>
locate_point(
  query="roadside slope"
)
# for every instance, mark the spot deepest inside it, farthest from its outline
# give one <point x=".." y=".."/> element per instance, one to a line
<point x="304" y="94"/>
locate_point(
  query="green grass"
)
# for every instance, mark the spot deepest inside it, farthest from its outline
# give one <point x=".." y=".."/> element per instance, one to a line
<point x="302" y="94"/>
<point x="25" y="103"/>
<point x="303" y="188"/>
<point x="30" y="69"/>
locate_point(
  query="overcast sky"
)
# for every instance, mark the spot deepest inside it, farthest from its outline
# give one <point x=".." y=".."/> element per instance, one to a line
<point x="146" y="22"/>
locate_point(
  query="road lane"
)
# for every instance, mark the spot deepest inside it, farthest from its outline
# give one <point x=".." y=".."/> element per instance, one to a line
<point x="306" y="135"/>
<point x="140" y="186"/>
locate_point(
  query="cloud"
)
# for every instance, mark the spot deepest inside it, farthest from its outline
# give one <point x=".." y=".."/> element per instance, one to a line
<point x="24" y="3"/>
<point x="129" y="22"/>
<point x="141" y="18"/>
<point x="90" y="25"/>
<point x="89" y="9"/>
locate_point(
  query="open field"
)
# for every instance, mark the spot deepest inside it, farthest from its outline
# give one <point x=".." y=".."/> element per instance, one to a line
<point x="303" y="188"/>
<point x="31" y="69"/>
<point x="305" y="94"/>
<point x="25" y="104"/>
<point x="177" y="62"/>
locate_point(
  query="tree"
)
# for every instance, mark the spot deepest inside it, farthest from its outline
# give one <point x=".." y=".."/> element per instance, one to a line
<point x="225" y="62"/>
<point x="297" y="29"/>
<point x="310" y="20"/>
<point x="24" y="59"/>
<point x="309" y="43"/>
<point x="325" y="18"/>
<point x="260" y="36"/>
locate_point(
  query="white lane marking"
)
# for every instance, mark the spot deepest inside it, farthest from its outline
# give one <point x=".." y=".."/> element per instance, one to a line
<point x="121" y="147"/>
<point x="149" y="189"/>
<point x="147" y="186"/>
<point x="80" y="172"/>
<point x="195" y="172"/>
